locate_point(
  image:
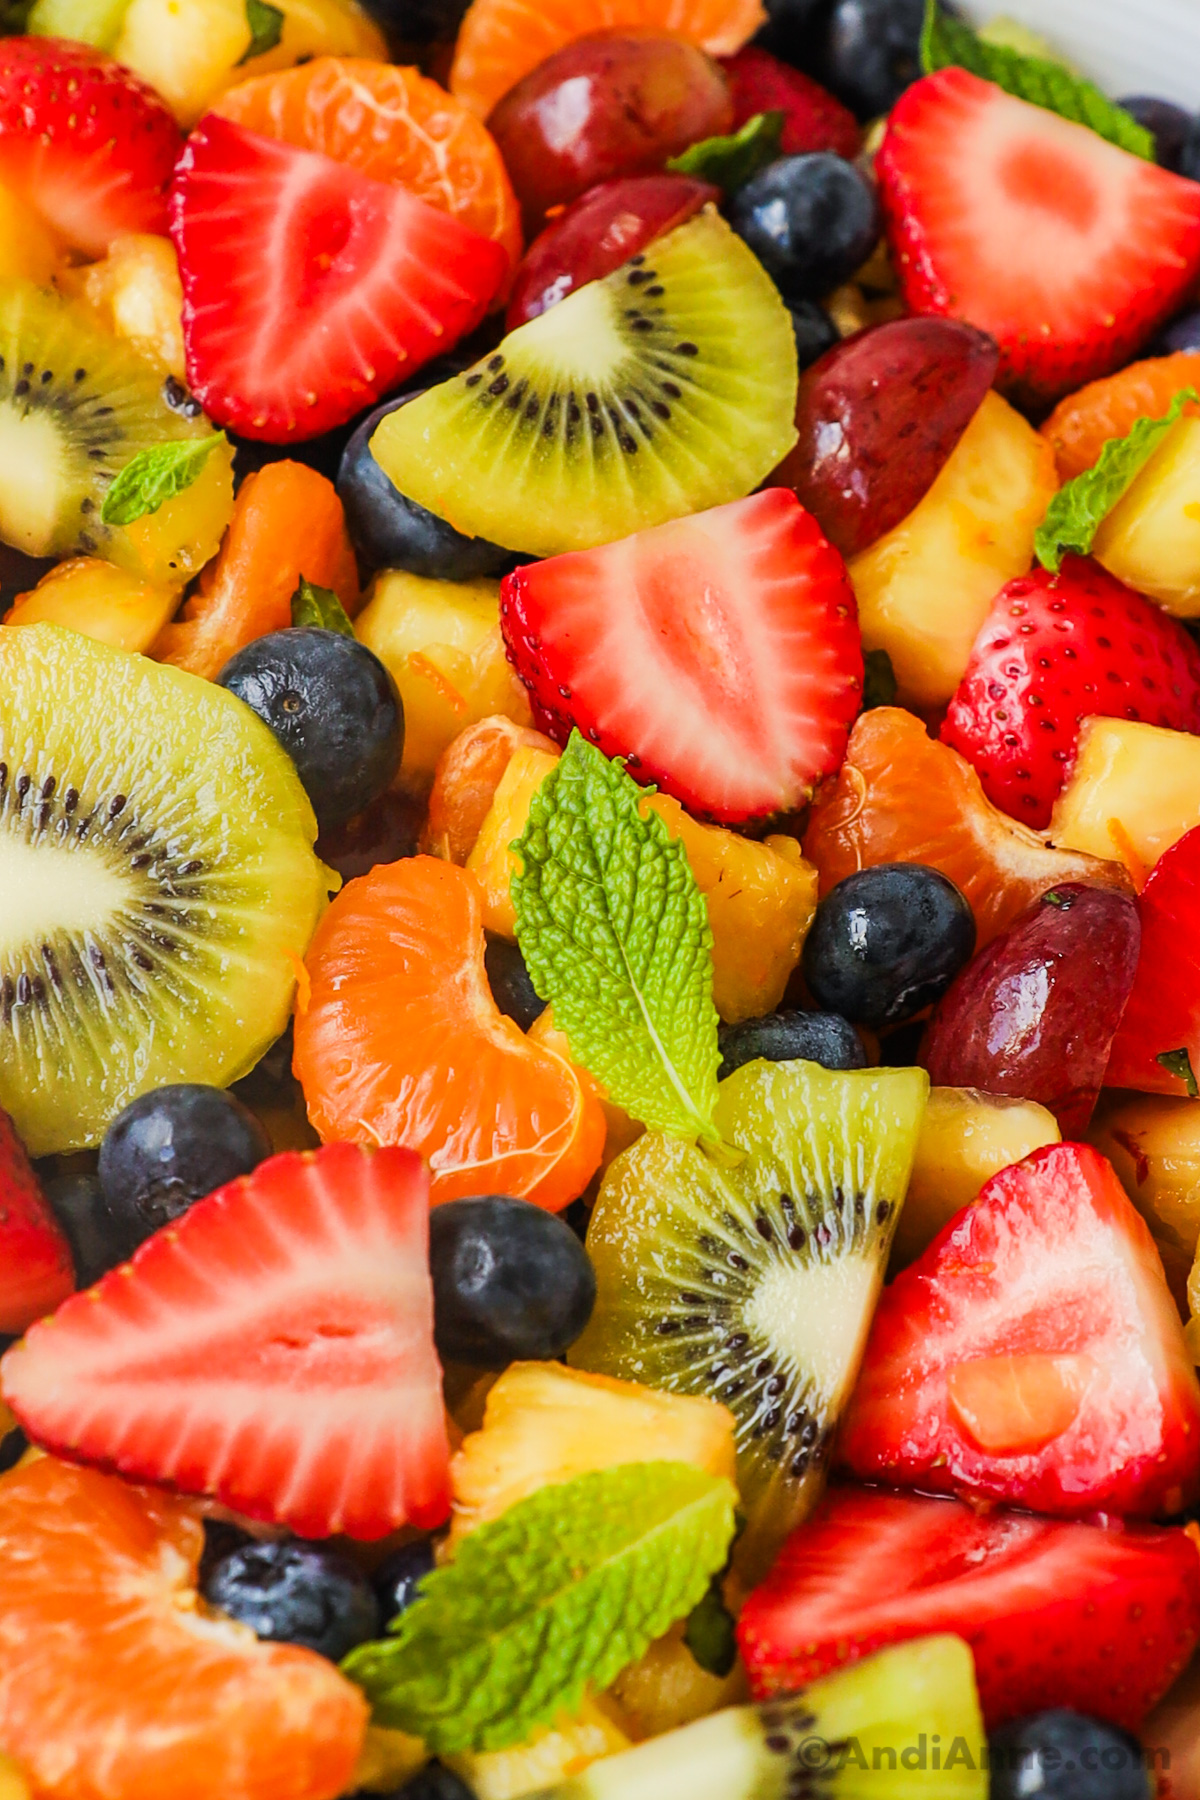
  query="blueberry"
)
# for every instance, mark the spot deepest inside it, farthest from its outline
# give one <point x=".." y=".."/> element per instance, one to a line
<point x="508" y="978"/>
<point x="810" y="220"/>
<point x="814" y="331"/>
<point x="794" y="30"/>
<point x="98" y="1243"/>
<point x="390" y="531"/>
<point x="433" y="1782"/>
<point x="334" y="708"/>
<point x="296" y="1593"/>
<point x="417" y="22"/>
<point x="396" y="1579"/>
<point x="790" y="1037"/>
<point x="870" y="52"/>
<point x="1189" y="156"/>
<point x="1063" y="1755"/>
<point x="1182" y="333"/>
<point x="887" y="942"/>
<point x="1167" y="124"/>
<point x="509" y="1281"/>
<point x="172" y="1146"/>
<point x="221" y="1538"/>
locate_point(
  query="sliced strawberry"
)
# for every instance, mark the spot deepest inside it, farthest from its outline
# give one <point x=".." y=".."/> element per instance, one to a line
<point x="1162" y="1013"/>
<point x="85" y="141"/>
<point x="1054" y="650"/>
<point x="1067" y="250"/>
<point x="1034" y="1355"/>
<point x="1058" y="1613"/>
<point x="719" y="653"/>
<point x="273" y="1349"/>
<point x="35" y="1261"/>
<point x="309" y="288"/>
<point x="813" y="119"/>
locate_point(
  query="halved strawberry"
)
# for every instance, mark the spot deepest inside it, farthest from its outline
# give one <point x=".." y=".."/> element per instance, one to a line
<point x="1057" y="1613"/>
<point x="84" y="140"/>
<point x="720" y="654"/>
<point x="1067" y="250"/>
<point x="1162" y="1013"/>
<point x="273" y="1349"/>
<point x="812" y="118"/>
<point x="35" y="1261"/>
<point x="309" y="288"/>
<point x="1034" y="1355"/>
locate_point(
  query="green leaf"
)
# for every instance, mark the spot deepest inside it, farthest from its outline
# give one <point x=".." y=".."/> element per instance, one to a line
<point x="1078" y="510"/>
<point x="562" y="1590"/>
<point x="155" y="476"/>
<point x="313" y="605"/>
<point x="710" y="1634"/>
<point x="1179" y="1064"/>
<point x="947" y="42"/>
<point x="266" y="29"/>
<point x="729" y="162"/>
<point x="615" y="933"/>
<point x="879" y="680"/>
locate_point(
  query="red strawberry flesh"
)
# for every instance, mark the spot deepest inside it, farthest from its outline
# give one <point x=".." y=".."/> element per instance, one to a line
<point x="35" y="1261"/>
<point x="813" y="119"/>
<point x="1163" y="1011"/>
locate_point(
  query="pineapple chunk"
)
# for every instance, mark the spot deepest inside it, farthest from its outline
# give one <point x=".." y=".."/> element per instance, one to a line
<point x="13" y="1785"/>
<point x="137" y="292"/>
<point x="966" y="1137"/>
<point x="761" y="897"/>
<point x="924" y="589"/>
<point x="1151" y="538"/>
<point x="28" y="247"/>
<point x="562" y="1750"/>
<point x="441" y="640"/>
<point x="171" y="545"/>
<point x="386" y="1760"/>
<point x="667" y="1688"/>
<point x="100" y="601"/>
<point x="1142" y="779"/>
<point x="1153" y="1143"/>
<point x="545" y="1424"/>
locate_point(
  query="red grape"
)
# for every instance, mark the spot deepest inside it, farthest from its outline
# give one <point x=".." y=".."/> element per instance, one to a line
<point x="600" y="231"/>
<point x="1035" y="1014"/>
<point x="615" y="103"/>
<point x="878" y="417"/>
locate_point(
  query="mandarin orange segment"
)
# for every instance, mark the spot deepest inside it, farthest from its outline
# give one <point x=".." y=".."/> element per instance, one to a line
<point x="501" y="40"/>
<point x="114" y="1686"/>
<point x="465" y="781"/>
<point x="392" y="124"/>
<point x="402" y="1043"/>
<point x="903" y="797"/>
<point x="1081" y="425"/>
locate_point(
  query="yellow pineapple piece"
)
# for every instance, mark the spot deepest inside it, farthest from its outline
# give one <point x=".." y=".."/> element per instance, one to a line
<point x="966" y="1137"/>
<point x="386" y="1761"/>
<point x="545" y="1424"/>
<point x="555" y="1754"/>
<point x="7" y="1422"/>
<point x="924" y="589"/>
<point x="192" y="50"/>
<point x="13" y="1785"/>
<point x="99" y="600"/>
<point x="28" y="247"/>
<point x="171" y="545"/>
<point x="761" y="897"/>
<point x="137" y="292"/>
<point x="1151" y="538"/>
<point x="1153" y="1143"/>
<point x="622" y="1130"/>
<point x="1132" y="785"/>
<point x="441" y="640"/>
<point x="667" y="1688"/>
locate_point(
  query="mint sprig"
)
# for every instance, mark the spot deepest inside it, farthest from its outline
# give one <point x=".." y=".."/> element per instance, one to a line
<point x="1179" y="1064"/>
<point x="729" y="162"/>
<point x="319" y="606"/>
<point x="266" y="29"/>
<point x="564" y="1589"/>
<point x="615" y="933"/>
<point x="1078" y="510"/>
<point x="154" y="476"/>
<point x="947" y="42"/>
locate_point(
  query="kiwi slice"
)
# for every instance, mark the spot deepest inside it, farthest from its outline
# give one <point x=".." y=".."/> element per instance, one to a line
<point x="157" y="883"/>
<point x="846" y="1737"/>
<point x="76" y="405"/>
<point x="95" y="22"/>
<point x="666" y="387"/>
<point x="755" y="1282"/>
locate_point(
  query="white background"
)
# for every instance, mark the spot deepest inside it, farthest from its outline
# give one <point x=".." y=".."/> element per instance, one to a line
<point x="1126" y="46"/>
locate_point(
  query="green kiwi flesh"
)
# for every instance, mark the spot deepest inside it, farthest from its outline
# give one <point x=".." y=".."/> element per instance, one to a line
<point x="157" y="881"/>
<point x="755" y="1282"/>
<point x="95" y="22"/>
<point x="842" y="1738"/>
<point x="664" y="388"/>
<point x="76" y="404"/>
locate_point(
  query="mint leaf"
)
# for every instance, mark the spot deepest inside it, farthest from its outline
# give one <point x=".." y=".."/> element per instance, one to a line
<point x="1077" y="511"/>
<point x="565" y="1588"/>
<point x="729" y="162"/>
<point x="155" y="476"/>
<point x="710" y="1634"/>
<point x="313" y="605"/>
<point x="266" y="29"/>
<point x="615" y="933"/>
<point x="1179" y="1064"/>
<point x="947" y="42"/>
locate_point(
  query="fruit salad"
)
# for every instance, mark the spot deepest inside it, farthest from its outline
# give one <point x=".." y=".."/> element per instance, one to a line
<point x="599" y="901"/>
